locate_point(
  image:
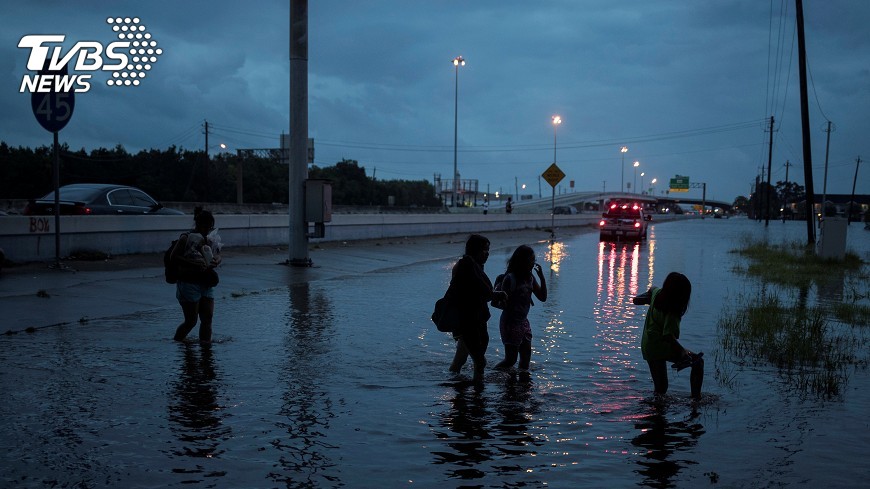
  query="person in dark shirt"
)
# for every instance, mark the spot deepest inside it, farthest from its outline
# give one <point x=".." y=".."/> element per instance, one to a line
<point x="472" y="290"/>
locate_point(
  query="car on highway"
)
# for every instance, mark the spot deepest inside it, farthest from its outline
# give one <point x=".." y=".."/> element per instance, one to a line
<point x="85" y="199"/>
<point x="624" y="221"/>
<point x="565" y="209"/>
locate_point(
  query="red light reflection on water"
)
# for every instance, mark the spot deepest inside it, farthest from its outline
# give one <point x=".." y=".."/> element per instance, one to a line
<point x="620" y="277"/>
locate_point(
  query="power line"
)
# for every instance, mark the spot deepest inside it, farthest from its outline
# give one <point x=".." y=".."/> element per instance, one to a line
<point x="538" y="147"/>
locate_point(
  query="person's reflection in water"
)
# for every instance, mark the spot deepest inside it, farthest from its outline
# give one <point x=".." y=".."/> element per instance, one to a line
<point x="195" y="415"/>
<point x="517" y="407"/>
<point x="662" y="439"/>
<point x="467" y="418"/>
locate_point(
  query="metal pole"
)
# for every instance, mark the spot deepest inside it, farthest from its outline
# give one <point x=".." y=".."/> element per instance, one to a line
<point x="767" y="188"/>
<point x="554" y="142"/>
<point x="623" y="150"/>
<point x="553" y="214"/>
<point x="298" y="157"/>
<point x="207" y="161"/>
<point x="56" y="178"/>
<point x="703" y="199"/>
<point x="825" y="179"/>
<point x="635" y="180"/>
<point x="455" y="135"/>
<point x="785" y="193"/>
<point x="854" y="181"/>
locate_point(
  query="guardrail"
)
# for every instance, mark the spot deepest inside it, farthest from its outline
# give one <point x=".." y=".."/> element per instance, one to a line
<point x="32" y="238"/>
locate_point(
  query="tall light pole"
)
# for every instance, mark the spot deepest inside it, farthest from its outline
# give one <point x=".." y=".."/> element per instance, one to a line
<point x="641" y="181"/>
<point x="623" y="150"/>
<point x="556" y="121"/>
<point x="636" y="164"/>
<point x="652" y="185"/>
<point x="457" y="62"/>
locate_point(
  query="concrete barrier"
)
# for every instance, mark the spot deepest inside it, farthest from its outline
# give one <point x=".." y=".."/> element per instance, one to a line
<point x="27" y="239"/>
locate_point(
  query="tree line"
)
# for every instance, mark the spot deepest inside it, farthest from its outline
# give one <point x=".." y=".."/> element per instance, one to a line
<point x="180" y="175"/>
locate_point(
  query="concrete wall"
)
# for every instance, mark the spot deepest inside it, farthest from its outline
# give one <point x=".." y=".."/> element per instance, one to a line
<point x="26" y="239"/>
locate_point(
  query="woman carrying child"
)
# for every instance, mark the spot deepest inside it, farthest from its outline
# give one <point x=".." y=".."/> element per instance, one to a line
<point x="198" y="253"/>
<point x="519" y="283"/>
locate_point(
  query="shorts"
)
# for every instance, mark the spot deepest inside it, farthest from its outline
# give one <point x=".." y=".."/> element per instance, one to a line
<point x="514" y="332"/>
<point x="188" y="292"/>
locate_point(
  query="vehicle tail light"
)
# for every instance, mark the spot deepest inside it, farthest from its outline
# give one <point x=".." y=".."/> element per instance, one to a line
<point x="81" y="210"/>
<point x="602" y="223"/>
<point x="636" y="224"/>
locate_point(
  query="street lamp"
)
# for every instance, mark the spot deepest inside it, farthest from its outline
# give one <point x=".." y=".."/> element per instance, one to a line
<point x="652" y="185"/>
<point x="636" y="164"/>
<point x="623" y="150"/>
<point x="457" y="62"/>
<point x="556" y="121"/>
<point x="641" y="181"/>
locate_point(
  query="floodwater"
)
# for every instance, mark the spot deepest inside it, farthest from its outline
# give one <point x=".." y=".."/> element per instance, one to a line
<point x="344" y="383"/>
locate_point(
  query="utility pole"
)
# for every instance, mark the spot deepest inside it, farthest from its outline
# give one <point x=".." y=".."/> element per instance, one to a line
<point x="767" y="190"/>
<point x="758" y="195"/>
<point x="207" y="164"/>
<point x="805" y="123"/>
<point x="298" y="157"/>
<point x="825" y="180"/>
<point x="854" y="180"/>
<point x="785" y="189"/>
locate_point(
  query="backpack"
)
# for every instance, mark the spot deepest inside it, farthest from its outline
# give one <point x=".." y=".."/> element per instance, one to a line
<point x="170" y="268"/>
<point x="497" y="287"/>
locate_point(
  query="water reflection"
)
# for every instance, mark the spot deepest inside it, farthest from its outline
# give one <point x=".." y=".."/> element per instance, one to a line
<point x="468" y="419"/>
<point x="481" y="431"/>
<point x="617" y="334"/>
<point x="195" y="415"/>
<point x="618" y="267"/>
<point x="662" y="441"/>
<point x="556" y="252"/>
<point x="307" y="408"/>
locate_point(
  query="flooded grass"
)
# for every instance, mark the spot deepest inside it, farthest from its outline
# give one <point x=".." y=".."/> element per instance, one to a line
<point x="792" y="264"/>
<point x="814" y="347"/>
<point x="812" y="352"/>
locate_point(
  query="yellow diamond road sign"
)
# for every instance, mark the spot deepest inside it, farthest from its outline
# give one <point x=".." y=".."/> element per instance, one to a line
<point x="553" y="175"/>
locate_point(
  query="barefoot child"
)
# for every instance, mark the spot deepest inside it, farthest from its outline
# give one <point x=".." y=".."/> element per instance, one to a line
<point x="520" y="284"/>
<point x="661" y="332"/>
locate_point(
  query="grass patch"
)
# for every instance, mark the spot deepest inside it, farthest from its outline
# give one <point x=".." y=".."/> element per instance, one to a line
<point x="814" y="347"/>
<point x="854" y="314"/>
<point x="813" y="353"/>
<point x="792" y="264"/>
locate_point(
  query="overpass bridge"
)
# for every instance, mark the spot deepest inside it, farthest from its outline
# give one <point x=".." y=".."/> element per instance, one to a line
<point x="593" y="200"/>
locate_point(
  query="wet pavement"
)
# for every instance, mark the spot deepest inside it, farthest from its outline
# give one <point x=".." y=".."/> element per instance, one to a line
<point x="335" y="377"/>
<point x="39" y="294"/>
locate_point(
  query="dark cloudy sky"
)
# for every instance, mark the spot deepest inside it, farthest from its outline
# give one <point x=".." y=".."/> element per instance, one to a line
<point x="688" y="87"/>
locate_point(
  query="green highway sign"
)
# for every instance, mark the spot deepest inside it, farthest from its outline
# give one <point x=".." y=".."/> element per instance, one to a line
<point x="679" y="184"/>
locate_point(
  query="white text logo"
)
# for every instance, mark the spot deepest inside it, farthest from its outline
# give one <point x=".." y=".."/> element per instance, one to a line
<point x="128" y="59"/>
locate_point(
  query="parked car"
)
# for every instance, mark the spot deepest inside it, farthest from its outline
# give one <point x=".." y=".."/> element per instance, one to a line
<point x="624" y="221"/>
<point x="83" y="199"/>
<point x="565" y="209"/>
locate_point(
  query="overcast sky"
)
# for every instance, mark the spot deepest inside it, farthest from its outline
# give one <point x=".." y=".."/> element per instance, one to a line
<point x="688" y="87"/>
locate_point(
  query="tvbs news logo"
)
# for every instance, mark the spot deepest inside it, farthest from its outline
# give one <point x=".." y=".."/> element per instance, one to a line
<point x="129" y="59"/>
